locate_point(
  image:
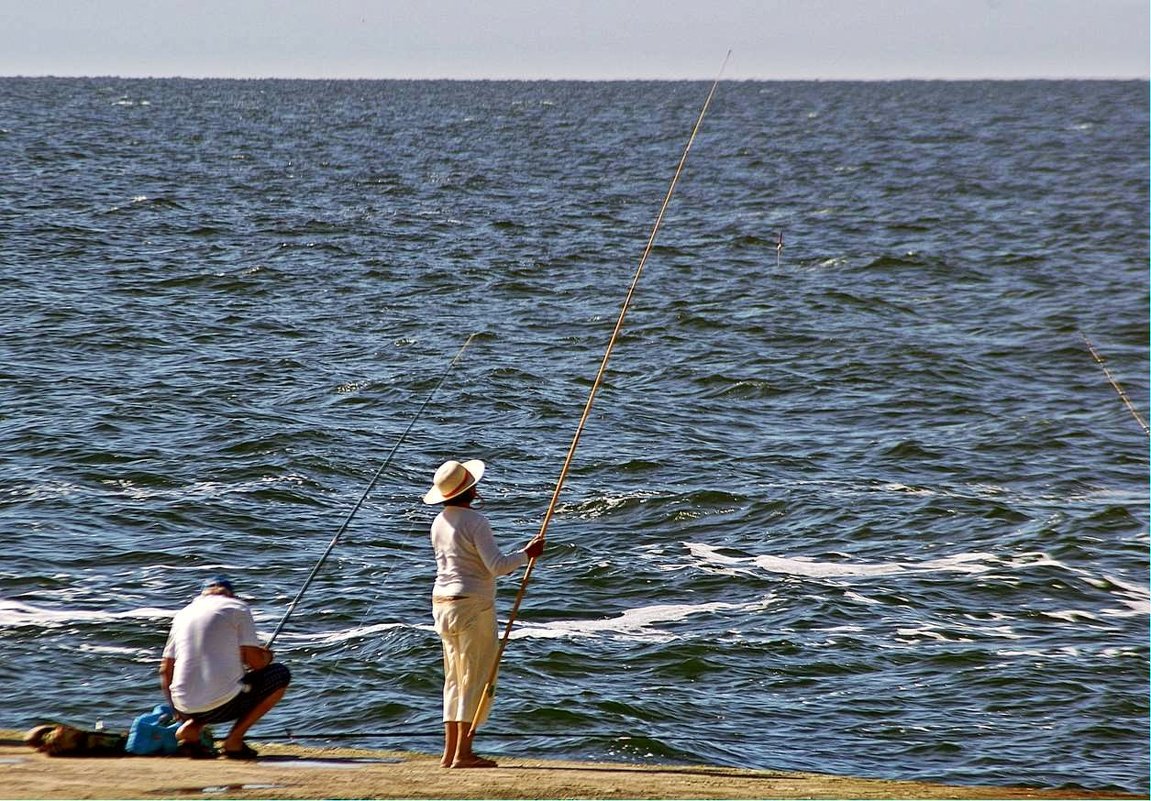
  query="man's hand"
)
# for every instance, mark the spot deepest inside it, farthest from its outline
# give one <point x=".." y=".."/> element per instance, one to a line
<point x="255" y="657"/>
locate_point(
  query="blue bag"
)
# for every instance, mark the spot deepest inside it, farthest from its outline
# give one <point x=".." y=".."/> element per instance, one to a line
<point x="154" y="734"/>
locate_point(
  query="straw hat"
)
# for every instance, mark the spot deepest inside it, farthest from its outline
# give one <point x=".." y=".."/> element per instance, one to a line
<point x="453" y="478"/>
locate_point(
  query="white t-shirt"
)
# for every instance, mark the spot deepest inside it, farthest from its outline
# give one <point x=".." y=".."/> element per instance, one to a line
<point x="205" y="643"/>
<point x="467" y="557"/>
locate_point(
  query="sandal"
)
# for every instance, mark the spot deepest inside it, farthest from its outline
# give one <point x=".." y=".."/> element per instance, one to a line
<point x="247" y="752"/>
<point x="195" y="751"/>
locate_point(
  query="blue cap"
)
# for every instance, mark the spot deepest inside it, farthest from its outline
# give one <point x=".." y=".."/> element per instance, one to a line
<point x="218" y="581"/>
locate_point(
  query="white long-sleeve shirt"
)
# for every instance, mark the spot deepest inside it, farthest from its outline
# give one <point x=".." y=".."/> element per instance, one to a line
<point x="467" y="557"/>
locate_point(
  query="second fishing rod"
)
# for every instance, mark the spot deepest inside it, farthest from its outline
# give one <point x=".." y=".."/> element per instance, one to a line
<point x="367" y="490"/>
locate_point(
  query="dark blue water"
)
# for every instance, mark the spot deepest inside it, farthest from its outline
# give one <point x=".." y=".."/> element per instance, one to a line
<point x="864" y="506"/>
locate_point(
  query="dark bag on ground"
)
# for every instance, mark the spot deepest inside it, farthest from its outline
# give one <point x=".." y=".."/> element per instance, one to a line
<point x="60" y="739"/>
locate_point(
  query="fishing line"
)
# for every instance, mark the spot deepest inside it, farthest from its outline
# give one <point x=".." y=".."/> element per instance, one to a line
<point x="1115" y="384"/>
<point x="368" y="489"/>
<point x="489" y="689"/>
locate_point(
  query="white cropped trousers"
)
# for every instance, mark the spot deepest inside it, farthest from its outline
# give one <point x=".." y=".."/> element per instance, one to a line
<point x="467" y="629"/>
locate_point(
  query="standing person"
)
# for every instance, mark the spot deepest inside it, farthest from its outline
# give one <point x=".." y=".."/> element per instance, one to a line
<point x="464" y="601"/>
<point x="215" y="669"/>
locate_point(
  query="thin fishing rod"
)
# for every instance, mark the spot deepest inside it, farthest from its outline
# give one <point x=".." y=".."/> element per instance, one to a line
<point x="368" y="489"/>
<point x="489" y="689"/>
<point x="1115" y="384"/>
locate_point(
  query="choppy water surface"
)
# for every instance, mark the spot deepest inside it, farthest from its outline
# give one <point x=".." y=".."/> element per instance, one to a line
<point x="865" y="506"/>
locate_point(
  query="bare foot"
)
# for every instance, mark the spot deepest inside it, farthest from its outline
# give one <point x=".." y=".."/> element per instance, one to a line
<point x="474" y="762"/>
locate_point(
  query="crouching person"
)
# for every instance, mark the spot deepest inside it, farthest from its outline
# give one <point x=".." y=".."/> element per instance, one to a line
<point x="214" y="669"/>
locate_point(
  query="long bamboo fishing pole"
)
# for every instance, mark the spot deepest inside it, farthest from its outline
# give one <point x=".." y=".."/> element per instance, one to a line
<point x="1116" y="385"/>
<point x="490" y="688"/>
<point x="368" y="489"/>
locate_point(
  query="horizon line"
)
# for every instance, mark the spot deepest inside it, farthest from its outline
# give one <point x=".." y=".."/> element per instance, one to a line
<point x="506" y="79"/>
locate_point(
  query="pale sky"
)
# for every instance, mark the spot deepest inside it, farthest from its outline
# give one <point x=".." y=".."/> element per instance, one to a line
<point x="583" y="39"/>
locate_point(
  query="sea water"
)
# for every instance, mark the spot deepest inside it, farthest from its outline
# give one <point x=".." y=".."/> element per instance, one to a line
<point x="862" y="504"/>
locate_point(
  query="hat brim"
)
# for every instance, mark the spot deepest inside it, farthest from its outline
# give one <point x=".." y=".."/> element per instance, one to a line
<point x="475" y="468"/>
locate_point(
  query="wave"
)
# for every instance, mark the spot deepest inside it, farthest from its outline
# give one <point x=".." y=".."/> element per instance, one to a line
<point x="348" y="635"/>
<point x="14" y="614"/>
<point x="640" y="622"/>
<point x="805" y="566"/>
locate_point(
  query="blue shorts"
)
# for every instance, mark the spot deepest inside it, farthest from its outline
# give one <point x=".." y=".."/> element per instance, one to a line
<point x="258" y="685"/>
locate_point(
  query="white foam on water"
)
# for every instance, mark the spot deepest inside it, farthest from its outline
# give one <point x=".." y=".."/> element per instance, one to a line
<point x="927" y="633"/>
<point x="15" y="613"/>
<point x="639" y="623"/>
<point x="1142" y="592"/>
<point x="200" y="489"/>
<point x="1071" y="652"/>
<point x="805" y="566"/>
<point x="1137" y="604"/>
<point x="1070" y="615"/>
<point x="606" y="503"/>
<point x="844" y="629"/>
<point x="45" y="491"/>
<point x="953" y="631"/>
<point x="1136" y="598"/>
<point x="108" y="649"/>
<point x="1117" y="653"/>
<point x="904" y="489"/>
<point x="863" y="599"/>
<point x="345" y="635"/>
<point x="1135" y="609"/>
